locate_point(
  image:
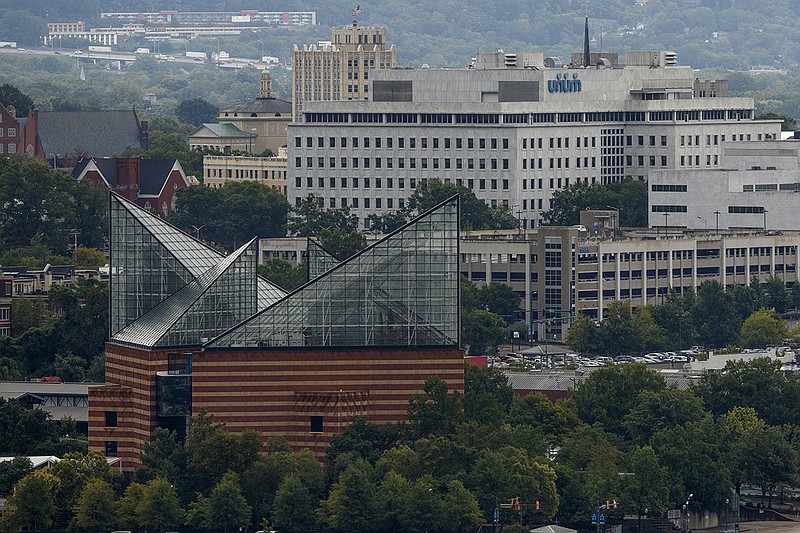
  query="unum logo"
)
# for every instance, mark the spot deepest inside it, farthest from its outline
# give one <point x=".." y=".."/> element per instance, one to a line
<point x="563" y="84"/>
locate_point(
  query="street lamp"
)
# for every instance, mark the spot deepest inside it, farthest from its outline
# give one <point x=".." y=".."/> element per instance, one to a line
<point x="705" y="222"/>
<point x="686" y="509"/>
<point x="614" y="220"/>
<point x="197" y="230"/>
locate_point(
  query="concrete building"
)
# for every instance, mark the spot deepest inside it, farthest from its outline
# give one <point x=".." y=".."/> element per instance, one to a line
<point x="191" y="329"/>
<point x="245" y="16"/>
<point x="514" y="128"/>
<point x="266" y="117"/>
<point x="223" y="138"/>
<point x="218" y="170"/>
<point x="560" y="271"/>
<point x="754" y="188"/>
<point x="339" y="70"/>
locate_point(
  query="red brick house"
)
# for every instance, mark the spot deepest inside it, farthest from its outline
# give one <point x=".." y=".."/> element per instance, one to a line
<point x="149" y="183"/>
<point x="10" y="135"/>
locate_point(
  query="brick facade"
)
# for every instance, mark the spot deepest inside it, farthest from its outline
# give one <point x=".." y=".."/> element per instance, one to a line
<point x="275" y="392"/>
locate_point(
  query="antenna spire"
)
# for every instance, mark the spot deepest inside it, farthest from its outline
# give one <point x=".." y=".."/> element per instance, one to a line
<point x="586" y="55"/>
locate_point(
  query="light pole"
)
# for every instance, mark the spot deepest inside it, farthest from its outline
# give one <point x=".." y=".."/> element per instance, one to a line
<point x="74" y="233"/>
<point x="197" y="230"/>
<point x="716" y="214"/>
<point x="614" y="220"/>
<point x="686" y="508"/>
<point x="705" y="222"/>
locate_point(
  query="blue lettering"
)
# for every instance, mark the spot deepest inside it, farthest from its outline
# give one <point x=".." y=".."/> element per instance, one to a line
<point x="564" y="85"/>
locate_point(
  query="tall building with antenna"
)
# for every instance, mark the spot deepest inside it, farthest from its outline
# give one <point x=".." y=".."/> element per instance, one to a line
<point x="339" y="69"/>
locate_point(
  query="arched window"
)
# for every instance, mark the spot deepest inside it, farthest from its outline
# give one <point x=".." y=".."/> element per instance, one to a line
<point x="253" y="115"/>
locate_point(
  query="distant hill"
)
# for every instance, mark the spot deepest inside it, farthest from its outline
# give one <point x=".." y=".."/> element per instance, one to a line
<point x="732" y="34"/>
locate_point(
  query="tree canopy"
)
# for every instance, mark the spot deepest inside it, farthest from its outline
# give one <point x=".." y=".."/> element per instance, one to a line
<point x="628" y="197"/>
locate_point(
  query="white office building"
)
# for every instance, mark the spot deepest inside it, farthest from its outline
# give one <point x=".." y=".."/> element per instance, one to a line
<point x="755" y="188"/>
<point x="514" y="128"/>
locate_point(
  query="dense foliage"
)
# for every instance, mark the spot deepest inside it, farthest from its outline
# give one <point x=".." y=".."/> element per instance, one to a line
<point x="628" y="197"/>
<point x="744" y="315"/>
<point x="458" y="456"/>
<point x="231" y="215"/>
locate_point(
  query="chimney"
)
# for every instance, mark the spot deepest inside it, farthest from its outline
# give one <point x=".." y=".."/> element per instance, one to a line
<point x="586" y="55"/>
<point x="127" y="176"/>
<point x="144" y="134"/>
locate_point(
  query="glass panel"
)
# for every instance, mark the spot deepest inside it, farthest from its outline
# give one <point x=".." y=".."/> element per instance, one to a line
<point x="401" y="291"/>
<point x="319" y="260"/>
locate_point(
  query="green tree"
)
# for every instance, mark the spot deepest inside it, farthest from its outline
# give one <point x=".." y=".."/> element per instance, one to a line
<point x="227" y="508"/>
<point x="336" y="229"/>
<point x="788" y="124"/>
<point x="72" y="474"/>
<point x="24" y="430"/>
<point x="11" y="96"/>
<point x="628" y="196"/>
<point x="12" y="471"/>
<point x="757" y="384"/>
<point x="647" y="488"/>
<point x="159" y="508"/>
<point x="717" y="321"/>
<point x="778" y="297"/>
<point x="294" y="506"/>
<point x="556" y="421"/>
<point x="609" y="393"/>
<point x="32" y="504"/>
<point x="352" y="504"/>
<point x="763" y="328"/>
<point x="283" y="274"/>
<point x="196" y="111"/>
<point x="482" y="331"/>
<point x="127" y="506"/>
<point x="487" y="394"/>
<point x="475" y="214"/>
<point x="500" y="299"/>
<point x="436" y="411"/>
<point x="96" y="505"/>
<point x="693" y="452"/>
<point x="29" y="313"/>
<point x="582" y="335"/>
<point x="657" y="410"/>
<point x="460" y="510"/>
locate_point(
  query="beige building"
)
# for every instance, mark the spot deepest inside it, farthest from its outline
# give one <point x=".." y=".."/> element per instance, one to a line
<point x="266" y="117"/>
<point x="560" y="271"/>
<point x="217" y="170"/>
<point x="339" y="70"/>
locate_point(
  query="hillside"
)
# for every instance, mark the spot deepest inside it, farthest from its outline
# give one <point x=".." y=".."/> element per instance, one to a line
<point x="731" y="34"/>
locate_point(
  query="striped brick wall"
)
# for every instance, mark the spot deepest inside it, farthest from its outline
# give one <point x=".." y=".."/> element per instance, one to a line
<point x="275" y="392"/>
<point x="130" y="390"/>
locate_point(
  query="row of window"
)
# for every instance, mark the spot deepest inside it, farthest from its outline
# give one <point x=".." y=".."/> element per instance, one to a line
<point x="377" y="142"/>
<point x="435" y="163"/>
<point x="12" y="132"/>
<point x="587" y="117"/>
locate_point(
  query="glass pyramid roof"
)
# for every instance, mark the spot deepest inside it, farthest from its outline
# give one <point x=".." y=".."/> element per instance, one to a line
<point x="401" y="291"/>
<point x="151" y="260"/>
<point x="219" y="299"/>
<point x="319" y="259"/>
